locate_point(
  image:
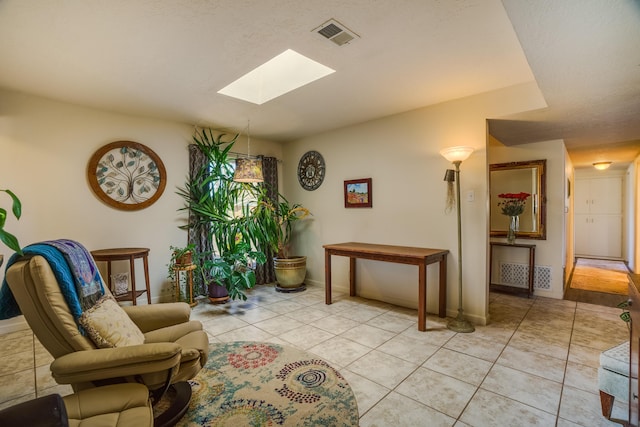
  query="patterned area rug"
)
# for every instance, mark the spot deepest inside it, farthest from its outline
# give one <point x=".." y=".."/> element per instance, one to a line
<point x="265" y="384"/>
<point x="601" y="276"/>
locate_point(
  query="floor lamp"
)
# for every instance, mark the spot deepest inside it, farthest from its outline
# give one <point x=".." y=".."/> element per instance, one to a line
<point x="457" y="155"/>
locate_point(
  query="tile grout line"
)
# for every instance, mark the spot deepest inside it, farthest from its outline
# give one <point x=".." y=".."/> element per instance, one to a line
<point x="495" y="362"/>
<point x="566" y="364"/>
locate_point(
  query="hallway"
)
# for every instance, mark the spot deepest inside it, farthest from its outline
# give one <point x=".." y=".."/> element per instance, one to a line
<point x="604" y="275"/>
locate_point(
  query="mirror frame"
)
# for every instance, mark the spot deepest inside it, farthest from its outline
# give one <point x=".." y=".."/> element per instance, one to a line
<point x="540" y="166"/>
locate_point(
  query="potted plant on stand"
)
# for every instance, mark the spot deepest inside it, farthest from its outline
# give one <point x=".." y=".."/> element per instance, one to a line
<point x="235" y="216"/>
<point x="182" y="259"/>
<point x="229" y="275"/>
<point x="290" y="269"/>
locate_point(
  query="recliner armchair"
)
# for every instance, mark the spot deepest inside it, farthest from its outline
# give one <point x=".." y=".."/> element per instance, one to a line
<point x="117" y="405"/>
<point x="174" y="349"/>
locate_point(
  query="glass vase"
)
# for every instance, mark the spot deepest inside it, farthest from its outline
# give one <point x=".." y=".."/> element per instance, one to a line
<point x="514" y="225"/>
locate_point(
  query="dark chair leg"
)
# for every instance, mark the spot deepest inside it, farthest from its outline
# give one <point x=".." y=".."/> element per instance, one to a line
<point x="179" y="405"/>
<point x="606" y="400"/>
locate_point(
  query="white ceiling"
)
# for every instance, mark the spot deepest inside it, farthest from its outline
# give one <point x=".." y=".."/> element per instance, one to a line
<point x="168" y="59"/>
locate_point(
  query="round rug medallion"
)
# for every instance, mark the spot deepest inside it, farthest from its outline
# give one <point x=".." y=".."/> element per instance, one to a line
<point x="264" y="384"/>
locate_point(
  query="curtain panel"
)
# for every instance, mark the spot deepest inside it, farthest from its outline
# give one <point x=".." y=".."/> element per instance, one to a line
<point x="197" y="234"/>
<point x="265" y="273"/>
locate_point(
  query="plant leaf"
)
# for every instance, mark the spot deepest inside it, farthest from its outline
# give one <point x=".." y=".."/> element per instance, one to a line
<point x="11" y="241"/>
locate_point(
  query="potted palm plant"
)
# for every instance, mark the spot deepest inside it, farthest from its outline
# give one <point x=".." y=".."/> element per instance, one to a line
<point x="235" y="216"/>
<point x="7" y="238"/>
<point x="290" y="269"/>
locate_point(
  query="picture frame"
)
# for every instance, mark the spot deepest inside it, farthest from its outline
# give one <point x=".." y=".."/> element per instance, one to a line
<point x="126" y="175"/>
<point x="358" y="193"/>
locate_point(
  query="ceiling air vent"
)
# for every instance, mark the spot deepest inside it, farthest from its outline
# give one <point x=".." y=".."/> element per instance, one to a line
<point x="336" y="32"/>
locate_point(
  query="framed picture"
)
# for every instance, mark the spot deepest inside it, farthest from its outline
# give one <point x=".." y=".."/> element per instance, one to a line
<point x="127" y="175"/>
<point x="357" y="193"/>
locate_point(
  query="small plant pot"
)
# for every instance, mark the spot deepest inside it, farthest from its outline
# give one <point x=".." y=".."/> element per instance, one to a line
<point x="185" y="259"/>
<point x="218" y="294"/>
<point x="290" y="272"/>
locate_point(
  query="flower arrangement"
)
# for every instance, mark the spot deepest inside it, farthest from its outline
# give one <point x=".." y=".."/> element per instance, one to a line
<point x="513" y="203"/>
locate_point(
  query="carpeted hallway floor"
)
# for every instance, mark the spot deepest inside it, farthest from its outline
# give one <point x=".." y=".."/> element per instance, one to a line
<point x="596" y="281"/>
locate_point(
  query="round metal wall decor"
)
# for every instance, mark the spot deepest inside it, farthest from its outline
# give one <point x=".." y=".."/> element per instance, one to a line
<point x="127" y="175"/>
<point x="311" y="170"/>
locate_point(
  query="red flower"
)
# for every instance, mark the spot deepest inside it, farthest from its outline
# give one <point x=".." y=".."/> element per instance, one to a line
<point x="518" y="196"/>
<point x="514" y="203"/>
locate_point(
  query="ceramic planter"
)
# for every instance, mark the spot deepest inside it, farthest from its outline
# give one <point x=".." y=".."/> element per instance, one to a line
<point x="290" y="272"/>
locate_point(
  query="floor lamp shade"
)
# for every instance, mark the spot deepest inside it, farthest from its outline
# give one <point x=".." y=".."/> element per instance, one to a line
<point x="456" y="154"/>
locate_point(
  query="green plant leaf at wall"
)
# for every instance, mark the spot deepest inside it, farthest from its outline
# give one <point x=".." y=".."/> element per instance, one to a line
<point x="7" y="238"/>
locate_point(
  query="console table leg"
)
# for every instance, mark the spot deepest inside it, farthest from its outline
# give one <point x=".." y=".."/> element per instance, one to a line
<point x="327" y="277"/>
<point x="442" y="291"/>
<point x="422" y="297"/>
<point x="352" y="277"/>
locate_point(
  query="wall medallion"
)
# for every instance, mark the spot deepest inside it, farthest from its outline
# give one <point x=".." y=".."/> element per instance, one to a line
<point x="311" y="170"/>
<point x="127" y="175"/>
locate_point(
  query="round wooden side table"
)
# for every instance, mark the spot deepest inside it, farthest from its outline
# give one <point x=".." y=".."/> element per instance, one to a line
<point x="124" y="254"/>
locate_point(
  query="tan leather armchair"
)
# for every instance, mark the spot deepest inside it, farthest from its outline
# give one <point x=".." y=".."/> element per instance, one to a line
<point x="118" y="405"/>
<point x="174" y="350"/>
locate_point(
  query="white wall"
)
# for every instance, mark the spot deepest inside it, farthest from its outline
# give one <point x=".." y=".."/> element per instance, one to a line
<point x="45" y="146"/>
<point x="631" y="200"/>
<point x="44" y="150"/>
<point x="569" y="227"/>
<point x="549" y="252"/>
<point x="400" y="154"/>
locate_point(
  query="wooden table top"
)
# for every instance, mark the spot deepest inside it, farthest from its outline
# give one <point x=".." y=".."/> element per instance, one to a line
<point x="119" y="252"/>
<point x="370" y="248"/>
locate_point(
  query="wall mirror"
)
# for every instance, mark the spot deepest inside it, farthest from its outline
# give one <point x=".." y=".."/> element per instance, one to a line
<point x="514" y="178"/>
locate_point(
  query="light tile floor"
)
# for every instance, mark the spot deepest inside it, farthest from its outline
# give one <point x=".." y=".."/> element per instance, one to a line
<point x="535" y="364"/>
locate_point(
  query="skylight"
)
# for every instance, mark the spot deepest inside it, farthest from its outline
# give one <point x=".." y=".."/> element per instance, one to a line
<point x="281" y="74"/>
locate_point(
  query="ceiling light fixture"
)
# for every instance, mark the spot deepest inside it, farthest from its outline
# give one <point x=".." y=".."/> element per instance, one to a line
<point x="281" y="74"/>
<point x="602" y="165"/>
<point x="248" y="169"/>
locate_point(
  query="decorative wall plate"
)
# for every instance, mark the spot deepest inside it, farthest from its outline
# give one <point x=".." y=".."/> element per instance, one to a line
<point x="127" y="175"/>
<point x="311" y="170"/>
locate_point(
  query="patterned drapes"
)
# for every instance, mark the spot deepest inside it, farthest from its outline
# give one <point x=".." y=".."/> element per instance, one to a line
<point x="198" y="233"/>
<point x="265" y="273"/>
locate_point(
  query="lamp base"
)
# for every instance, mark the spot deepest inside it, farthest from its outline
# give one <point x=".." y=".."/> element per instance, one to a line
<point x="460" y="324"/>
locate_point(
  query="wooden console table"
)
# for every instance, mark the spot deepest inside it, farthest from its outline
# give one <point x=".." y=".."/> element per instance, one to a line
<point x="124" y="254"/>
<point x="398" y="254"/>
<point x="532" y="264"/>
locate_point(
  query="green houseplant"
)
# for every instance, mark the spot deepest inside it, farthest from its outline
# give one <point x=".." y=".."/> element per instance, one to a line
<point x="290" y="270"/>
<point x="179" y="256"/>
<point x="287" y="214"/>
<point x="236" y="216"/>
<point x="7" y="238"/>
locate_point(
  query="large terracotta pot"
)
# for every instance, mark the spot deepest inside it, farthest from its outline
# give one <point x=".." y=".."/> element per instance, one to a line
<point x="218" y="294"/>
<point x="290" y="272"/>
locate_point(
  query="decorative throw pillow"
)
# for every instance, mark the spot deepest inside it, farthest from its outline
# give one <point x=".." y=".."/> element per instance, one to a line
<point x="109" y="326"/>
